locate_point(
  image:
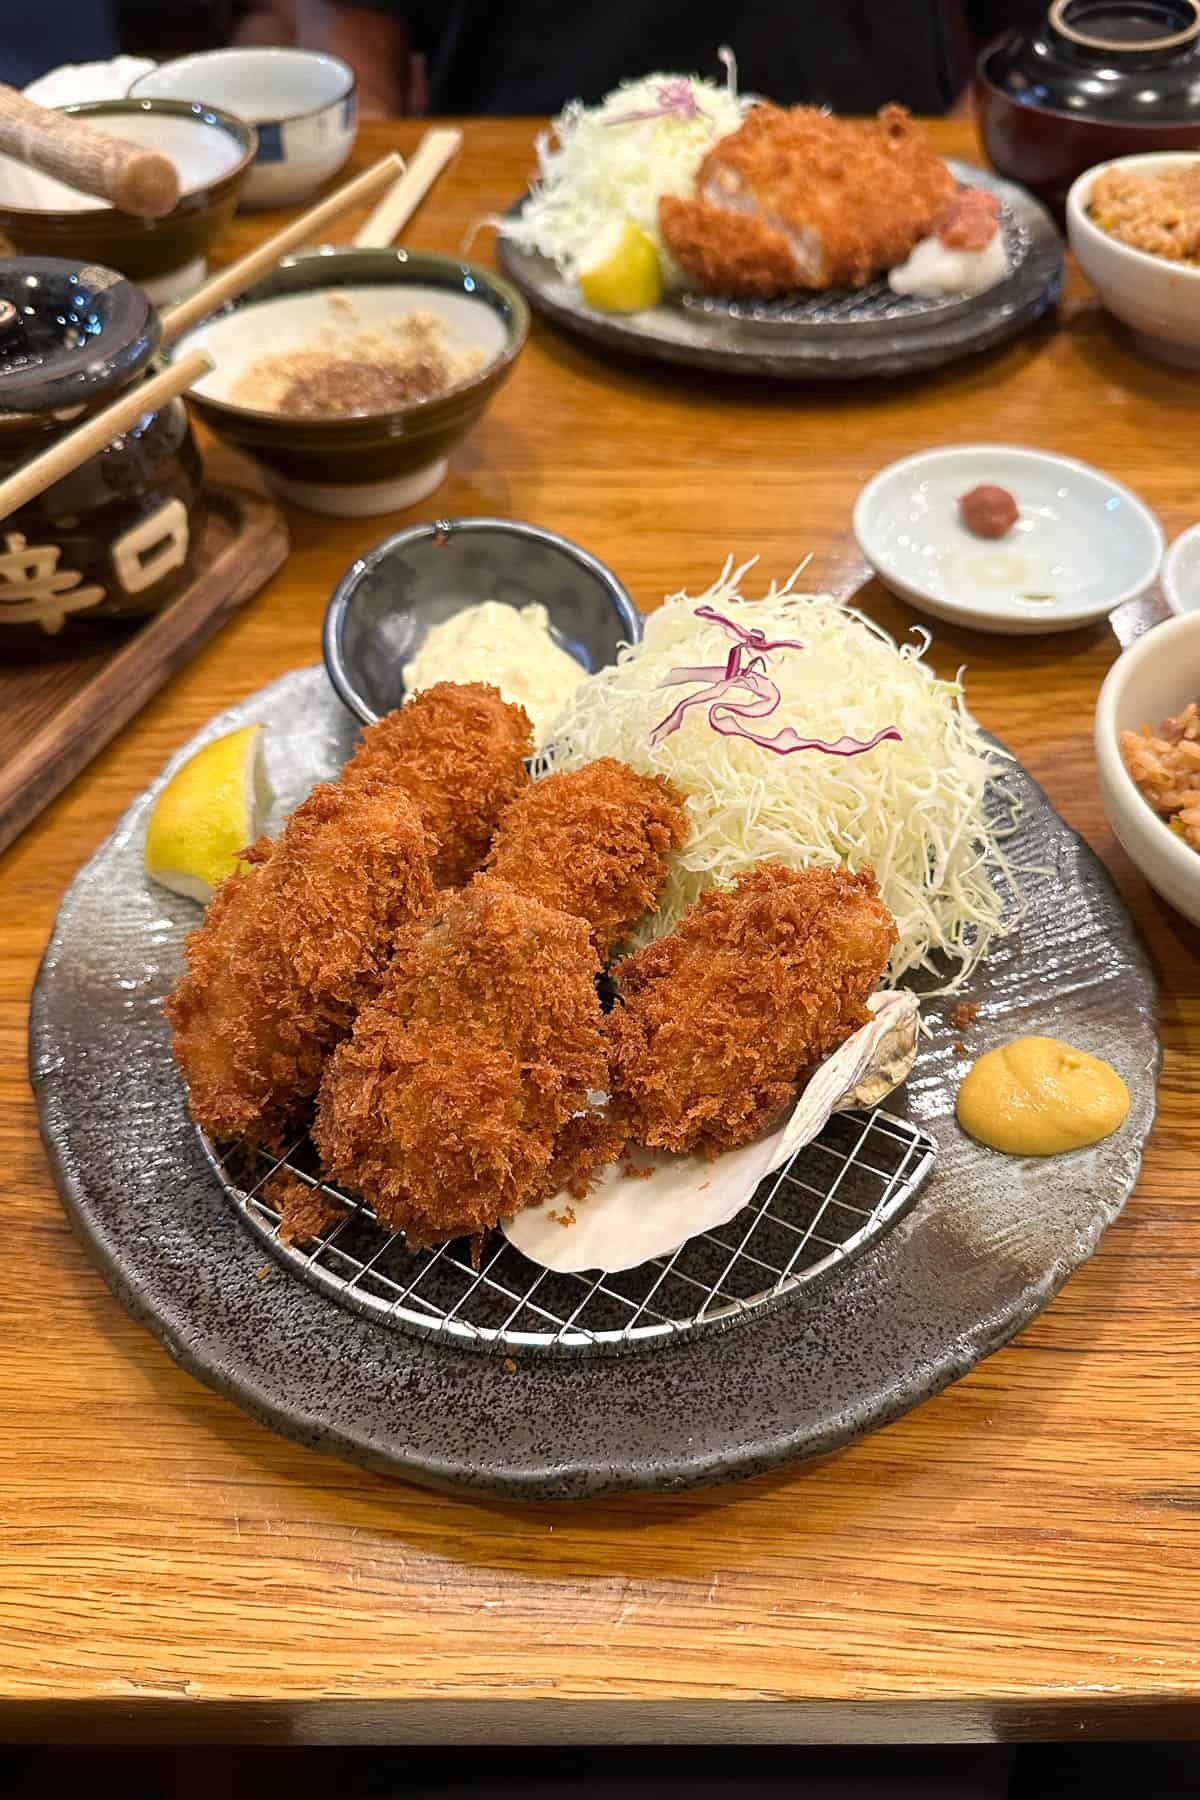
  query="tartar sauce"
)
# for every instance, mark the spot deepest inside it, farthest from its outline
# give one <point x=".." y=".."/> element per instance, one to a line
<point x="1039" y="1097"/>
<point x="508" y="647"/>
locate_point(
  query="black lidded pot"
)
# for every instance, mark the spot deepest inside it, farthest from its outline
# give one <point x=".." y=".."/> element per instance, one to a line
<point x="115" y="540"/>
<point x="1097" y="79"/>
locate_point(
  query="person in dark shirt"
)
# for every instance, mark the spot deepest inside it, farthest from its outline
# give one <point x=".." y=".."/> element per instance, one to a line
<point x="36" y="38"/>
<point x="530" y="56"/>
<point x="39" y="37"/>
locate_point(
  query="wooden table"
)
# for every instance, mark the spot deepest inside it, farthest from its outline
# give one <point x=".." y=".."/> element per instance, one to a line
<point x="1017" y="1558"/>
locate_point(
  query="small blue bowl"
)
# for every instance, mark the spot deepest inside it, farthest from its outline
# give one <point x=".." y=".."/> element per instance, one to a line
<point x="386" y="603"/>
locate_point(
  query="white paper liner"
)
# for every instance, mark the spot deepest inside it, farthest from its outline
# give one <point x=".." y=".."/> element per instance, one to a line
<point x="625" y="1221"/>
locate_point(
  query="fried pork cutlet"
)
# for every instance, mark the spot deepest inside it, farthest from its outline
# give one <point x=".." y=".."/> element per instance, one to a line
<point x="797" y="199"/>
<point x="593" y="841"/>
<point x="454" y="1101"/>
<point x="288" y="950"/>
<point x="748" y="994"/>
<point x="458" y="751"/>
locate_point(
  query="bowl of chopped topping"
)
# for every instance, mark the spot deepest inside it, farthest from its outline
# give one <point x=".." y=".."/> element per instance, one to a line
<point x="1134" y="226"/>
<point x="1148" y="750"/>
<point x="350" y="375"/>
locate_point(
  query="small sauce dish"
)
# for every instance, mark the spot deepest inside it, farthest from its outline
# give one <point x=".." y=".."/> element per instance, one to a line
<point x="1180" y="576"/>
<point x="1082" y="543"/>
<point x="392" y="596"/>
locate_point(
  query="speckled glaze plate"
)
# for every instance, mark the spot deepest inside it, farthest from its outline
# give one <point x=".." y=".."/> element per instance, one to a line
<point x="987" y="1245"/>
<point x="838" y="336"/>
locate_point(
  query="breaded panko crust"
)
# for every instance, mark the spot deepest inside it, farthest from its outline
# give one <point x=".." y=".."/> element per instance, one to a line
<point x="754" y="987"/>
<point x="725" y="252"/>
<point x="594" y="841"/>
<point x="287" y="952"/>
<point x="445" y="1107"/>
<point x="798" y="199"/>
<point x="458" y="751"/>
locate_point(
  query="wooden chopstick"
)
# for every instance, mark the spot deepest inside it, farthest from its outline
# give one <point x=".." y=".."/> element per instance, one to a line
<point x="33" y="478"/>
<point x="402" y="199"/>
<point x="246" y="271"/>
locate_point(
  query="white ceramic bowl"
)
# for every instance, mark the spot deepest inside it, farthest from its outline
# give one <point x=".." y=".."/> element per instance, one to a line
<point x="1082" y="539"/>
<point x="213" y="153"/>
<point x="1154" y="680"/>
<point x="365" y="463"/>
<point x="1180" y="575"/>
<point x="302" y="103"/>
<point x="1158" y="300"/>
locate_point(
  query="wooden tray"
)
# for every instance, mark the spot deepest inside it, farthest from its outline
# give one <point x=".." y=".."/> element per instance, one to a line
<point x="55" y="715"/>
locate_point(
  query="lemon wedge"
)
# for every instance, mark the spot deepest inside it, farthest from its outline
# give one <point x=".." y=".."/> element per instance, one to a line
<point x="209" y="811"/>
<point x="620" y="271"/>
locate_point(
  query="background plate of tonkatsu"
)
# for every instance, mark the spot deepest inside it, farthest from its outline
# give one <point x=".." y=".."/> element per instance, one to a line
<point x="987" y="1243"/>
<point x="838" y="335"/>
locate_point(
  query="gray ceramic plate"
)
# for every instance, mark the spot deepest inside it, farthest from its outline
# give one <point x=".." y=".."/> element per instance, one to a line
<point x="988" y="1243"/>
<point x="840" y="336"/>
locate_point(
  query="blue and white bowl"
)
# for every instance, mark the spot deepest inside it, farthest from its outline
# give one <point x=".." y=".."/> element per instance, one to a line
<point x="302" y="104"/>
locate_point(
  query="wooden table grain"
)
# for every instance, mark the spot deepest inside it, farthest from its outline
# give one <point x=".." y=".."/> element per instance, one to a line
<point x="1018" y="1557"/>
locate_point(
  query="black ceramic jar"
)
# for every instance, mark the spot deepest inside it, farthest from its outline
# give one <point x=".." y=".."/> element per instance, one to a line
<point x="1097" y="79"/>
<point x="114" y="540"/>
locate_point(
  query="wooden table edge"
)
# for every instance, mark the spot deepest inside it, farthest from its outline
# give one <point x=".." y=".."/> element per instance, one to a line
<point x="149" y="1717"/>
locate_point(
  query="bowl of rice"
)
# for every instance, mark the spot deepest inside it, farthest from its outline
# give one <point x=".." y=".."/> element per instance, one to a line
<point x="1134" y="225"/>
<point x="1148" y="750"/>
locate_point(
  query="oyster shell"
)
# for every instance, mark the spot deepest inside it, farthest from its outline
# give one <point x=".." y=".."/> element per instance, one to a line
<point x="625" y="1222"/>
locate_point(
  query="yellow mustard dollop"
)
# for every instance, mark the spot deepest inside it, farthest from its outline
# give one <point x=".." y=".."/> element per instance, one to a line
<point x="1039" y="1097"/>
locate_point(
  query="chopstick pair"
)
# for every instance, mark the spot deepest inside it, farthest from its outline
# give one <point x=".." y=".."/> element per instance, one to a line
<point x="406" y="188"/>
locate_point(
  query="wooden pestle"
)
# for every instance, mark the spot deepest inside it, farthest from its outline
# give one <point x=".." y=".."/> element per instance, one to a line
<point x="128" y="176"/>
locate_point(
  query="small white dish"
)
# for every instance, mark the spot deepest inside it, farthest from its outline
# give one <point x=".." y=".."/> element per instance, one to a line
<point x="1180" y="575"/>
<point x="302" y="104"/>
<point x="1157" y="299"/>
<point x="1083" y="544"/>
<point x="1153" y="680"/>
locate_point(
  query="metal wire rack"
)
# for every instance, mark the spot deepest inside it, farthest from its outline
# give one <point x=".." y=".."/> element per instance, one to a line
<point x="838" y="1196"/>
<point x="874" y="304"/>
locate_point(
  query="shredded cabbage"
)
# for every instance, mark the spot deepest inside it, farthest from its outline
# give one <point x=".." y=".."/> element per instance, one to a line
<point x="609" y="166"/>
<point x="918" y="810"/>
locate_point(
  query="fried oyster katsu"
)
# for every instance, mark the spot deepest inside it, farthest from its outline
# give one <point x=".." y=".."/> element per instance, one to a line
<point x="291" y="946"/>
<point x="593" y="841"/>
<point x="456" y="1099"/>
<point x="288" y="950"/>
<point x="755" y="986"/>
<point x="458" y="751"/>
<point x="799" y="199"/>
